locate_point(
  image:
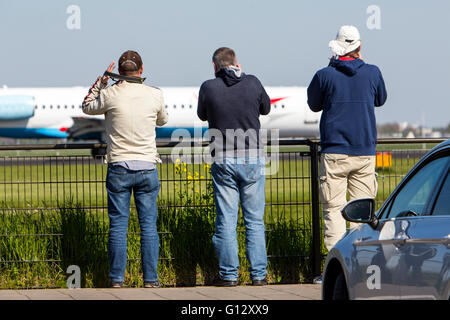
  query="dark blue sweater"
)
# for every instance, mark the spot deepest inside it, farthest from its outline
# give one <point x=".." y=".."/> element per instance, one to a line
<point x="346" y="92"/>
<point x="231" y="102"/>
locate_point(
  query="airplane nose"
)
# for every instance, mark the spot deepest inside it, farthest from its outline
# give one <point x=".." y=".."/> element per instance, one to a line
<point x="16" y="107"/>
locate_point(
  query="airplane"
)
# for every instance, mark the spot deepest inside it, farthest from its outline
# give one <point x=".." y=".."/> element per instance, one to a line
<point x="56" y="113"/>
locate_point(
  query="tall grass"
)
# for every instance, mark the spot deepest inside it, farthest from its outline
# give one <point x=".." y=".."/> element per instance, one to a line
<point x="62" y="221"/>
<point x="37" y="246"/>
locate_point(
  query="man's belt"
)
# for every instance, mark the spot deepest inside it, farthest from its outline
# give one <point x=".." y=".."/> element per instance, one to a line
<point x="117" y="77"/>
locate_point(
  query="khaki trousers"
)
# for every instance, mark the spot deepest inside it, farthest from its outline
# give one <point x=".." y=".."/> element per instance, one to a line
<point x="340" y="173"/>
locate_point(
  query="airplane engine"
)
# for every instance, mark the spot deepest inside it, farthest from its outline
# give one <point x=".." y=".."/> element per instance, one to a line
<point x="16" y="107"/>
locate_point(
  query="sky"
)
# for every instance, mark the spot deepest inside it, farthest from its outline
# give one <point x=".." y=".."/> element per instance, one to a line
<point x="283" y="42"/>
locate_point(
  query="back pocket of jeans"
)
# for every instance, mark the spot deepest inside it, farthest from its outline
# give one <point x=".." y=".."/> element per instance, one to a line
<point x="116" y="182"/>
<point x="150" y="181"/>
<point x="253" y="171"/>
<point x="117" y="170"/>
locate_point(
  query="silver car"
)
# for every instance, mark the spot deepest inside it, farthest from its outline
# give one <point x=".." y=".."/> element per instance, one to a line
<point x="402" y="251"/>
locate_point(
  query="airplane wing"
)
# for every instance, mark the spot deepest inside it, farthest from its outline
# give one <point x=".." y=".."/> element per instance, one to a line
<point x="87" y="128"/>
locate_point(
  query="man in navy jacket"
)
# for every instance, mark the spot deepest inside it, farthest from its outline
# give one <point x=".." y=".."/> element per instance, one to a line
<point x="232" y="103"/>
<point x="347" y="92"/>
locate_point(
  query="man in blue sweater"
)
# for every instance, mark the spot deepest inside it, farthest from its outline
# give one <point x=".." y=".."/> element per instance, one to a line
<point x="232" y="103"/>
<point x="347" y="92"/>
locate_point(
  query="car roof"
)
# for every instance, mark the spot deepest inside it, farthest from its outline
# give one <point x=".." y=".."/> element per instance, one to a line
<point x="443" y="145"/>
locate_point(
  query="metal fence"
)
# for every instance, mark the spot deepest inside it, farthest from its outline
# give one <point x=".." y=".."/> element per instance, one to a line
<point x="53" y="207"/>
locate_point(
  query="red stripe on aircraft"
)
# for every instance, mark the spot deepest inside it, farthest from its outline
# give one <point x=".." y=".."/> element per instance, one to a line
<point x="272" y="101"/>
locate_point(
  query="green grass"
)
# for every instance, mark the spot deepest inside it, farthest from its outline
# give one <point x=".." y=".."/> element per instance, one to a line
<point x="53" y="215"/>
<point x="71" y="235"/>
<point x="45" y="184"/>
<point x="63" y="217"/>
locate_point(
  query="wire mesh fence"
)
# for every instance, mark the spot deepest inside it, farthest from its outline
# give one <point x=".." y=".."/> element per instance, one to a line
<point x="53" y="214"/>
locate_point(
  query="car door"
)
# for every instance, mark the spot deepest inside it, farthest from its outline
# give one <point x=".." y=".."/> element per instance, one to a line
<point x="374" y="261"/>
<point x="383" y="250"/>
<point x="424" y="263"/>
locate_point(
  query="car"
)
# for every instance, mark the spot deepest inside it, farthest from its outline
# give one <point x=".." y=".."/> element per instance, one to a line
<point x="401" y="251"/>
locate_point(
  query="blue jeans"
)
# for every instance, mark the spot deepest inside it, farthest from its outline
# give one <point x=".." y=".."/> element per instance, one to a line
<point x="233" y="180"/>
<point x="144" y="184"/>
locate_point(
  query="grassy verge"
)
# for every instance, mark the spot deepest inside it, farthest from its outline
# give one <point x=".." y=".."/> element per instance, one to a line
<point x="52" y="215"/>
<point x="37" y="245"/>
<point x="36" y="248"/>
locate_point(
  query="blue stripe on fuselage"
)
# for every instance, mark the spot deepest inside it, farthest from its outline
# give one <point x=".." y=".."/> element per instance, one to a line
<point x="32" y="133"/>
<point x="56" y="133"/>
<point x="163" y="132"/>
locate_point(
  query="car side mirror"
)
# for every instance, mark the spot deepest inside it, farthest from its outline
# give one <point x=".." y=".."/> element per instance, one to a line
<point x="361" y="211"/>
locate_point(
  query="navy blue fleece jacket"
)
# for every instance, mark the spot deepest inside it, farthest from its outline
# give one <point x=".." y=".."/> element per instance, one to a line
<point x="347" y="92"/>
<point x="232" y="102"/>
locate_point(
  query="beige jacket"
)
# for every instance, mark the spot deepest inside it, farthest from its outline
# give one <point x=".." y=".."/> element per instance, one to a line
<point x="132" y="111"/>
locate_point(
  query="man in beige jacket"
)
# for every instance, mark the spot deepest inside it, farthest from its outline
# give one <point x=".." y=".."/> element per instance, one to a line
<point x="132" y="111"/>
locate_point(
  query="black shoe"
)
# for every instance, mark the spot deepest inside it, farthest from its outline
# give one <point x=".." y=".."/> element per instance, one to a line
<point x="318" y="280"/>
<point x="116" y="285"/>
<point x="226" y="283"/>
<point x="154" y="284"/>
<point x="262" y="282"/>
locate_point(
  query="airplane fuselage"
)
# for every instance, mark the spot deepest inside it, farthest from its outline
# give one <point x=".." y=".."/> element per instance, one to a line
<point x="50" y="112"/>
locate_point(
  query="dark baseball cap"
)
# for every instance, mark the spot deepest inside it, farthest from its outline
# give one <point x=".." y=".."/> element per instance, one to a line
<point x="130" y="61"/>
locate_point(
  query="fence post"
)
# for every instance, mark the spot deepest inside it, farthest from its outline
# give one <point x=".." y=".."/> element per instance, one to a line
<point x="315" y="209"/>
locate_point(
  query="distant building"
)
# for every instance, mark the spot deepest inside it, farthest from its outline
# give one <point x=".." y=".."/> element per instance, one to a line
<point x="410" y="135"/>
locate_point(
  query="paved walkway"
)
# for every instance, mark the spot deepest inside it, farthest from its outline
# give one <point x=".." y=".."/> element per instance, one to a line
<point x="270" y="292"/>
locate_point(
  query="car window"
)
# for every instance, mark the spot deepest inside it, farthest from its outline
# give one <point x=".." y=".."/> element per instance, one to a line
<point x="414" y="195"/>
<point x="442" y="206"/>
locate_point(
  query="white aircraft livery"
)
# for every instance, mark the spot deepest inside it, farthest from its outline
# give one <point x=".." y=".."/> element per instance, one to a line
<point x="57" y="113"/>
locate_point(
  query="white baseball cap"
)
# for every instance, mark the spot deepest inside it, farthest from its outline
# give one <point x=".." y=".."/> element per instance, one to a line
<point x="347" y="40"/>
